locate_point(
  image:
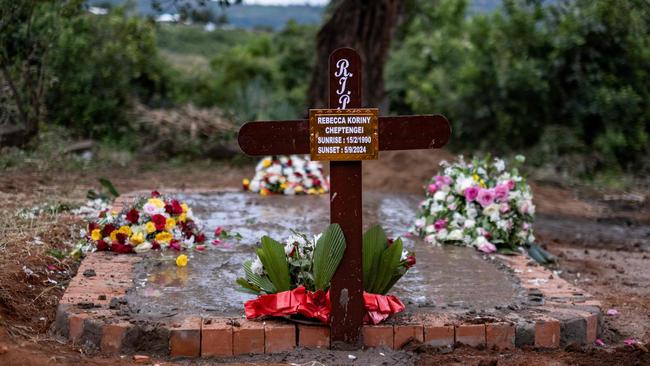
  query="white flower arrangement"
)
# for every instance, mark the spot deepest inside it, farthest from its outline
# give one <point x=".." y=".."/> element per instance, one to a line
<point x="479" y="204"/>
<point x="289" y="175"/>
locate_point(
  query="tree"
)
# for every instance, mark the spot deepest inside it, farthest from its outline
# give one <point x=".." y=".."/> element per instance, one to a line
<point x="368" y="26"/>
<point x="28" y="31"/>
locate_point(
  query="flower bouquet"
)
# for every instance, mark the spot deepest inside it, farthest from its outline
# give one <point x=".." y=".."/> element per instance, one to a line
<point x="290" y="175"/>
<point x="149" y="224"/>
<point x="293" y="278"/>
<point x="480" y="204"/>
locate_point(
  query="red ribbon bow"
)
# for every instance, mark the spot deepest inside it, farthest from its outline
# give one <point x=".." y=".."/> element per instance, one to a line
<point x="317" y="305"/>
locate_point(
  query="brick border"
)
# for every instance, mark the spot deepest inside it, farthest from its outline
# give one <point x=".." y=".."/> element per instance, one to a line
<point x="557" y="314"/>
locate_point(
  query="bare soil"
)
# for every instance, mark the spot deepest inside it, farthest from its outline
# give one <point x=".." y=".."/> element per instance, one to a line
<point x="602" y="244"/>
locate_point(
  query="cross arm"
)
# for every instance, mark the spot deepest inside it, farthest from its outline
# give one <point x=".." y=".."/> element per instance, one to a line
<point x="395" y="133"/>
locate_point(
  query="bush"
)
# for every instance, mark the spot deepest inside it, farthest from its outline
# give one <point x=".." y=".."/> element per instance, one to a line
<point x="507" y="79"/>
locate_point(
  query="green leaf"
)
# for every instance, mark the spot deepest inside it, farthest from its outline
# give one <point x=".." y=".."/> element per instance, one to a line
<point x="327" y="256"/>
<point x="248" y="287"/>
<point x="261" y="282"/>
<point x="275" y="263"/>
<point x="108" y="185"/>
<point x="388" y="264"/>
<point x="374" y="243"/>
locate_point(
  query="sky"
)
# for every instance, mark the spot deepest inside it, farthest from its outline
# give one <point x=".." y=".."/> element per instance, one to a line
<point x="286" y="2"/>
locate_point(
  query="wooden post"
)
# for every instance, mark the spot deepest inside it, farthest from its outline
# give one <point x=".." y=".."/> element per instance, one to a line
<point x="346" y="292"/>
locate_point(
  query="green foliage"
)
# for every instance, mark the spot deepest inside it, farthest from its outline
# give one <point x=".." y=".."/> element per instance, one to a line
<point x="275" y="263"/>
<point x="100" y="64"/>
<point x="327" y="256"/>
<point x="382" y="261"/>
<point x="513" y="78"/>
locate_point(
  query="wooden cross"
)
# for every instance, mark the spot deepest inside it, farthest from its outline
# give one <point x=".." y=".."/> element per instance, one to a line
<point x="293" y="137"/>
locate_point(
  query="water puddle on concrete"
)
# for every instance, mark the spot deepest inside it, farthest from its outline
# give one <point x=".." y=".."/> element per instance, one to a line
<point x="450" y="277"/>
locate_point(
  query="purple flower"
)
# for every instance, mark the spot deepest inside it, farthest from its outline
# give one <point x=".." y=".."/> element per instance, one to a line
<point x="471" y="193"/>
<point x="443" y="180"/>
<point x="485" y="197"/>
<point x="432" y="188"/>
<point x="501" y="192"/>
<point x="440" y="224"/>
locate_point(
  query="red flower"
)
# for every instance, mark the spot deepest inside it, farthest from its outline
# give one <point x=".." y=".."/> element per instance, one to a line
<point x="121" y="238"/>
<point x="200" y="238"/>
<point x="155" y="245"/>
<point x="160" y="221"/>
<point x="410" y="261"/>
<point x="133" y="216"/>
<point x="108" y="229"/>
<point x="176" y="245"/>
<point x="102" y="246"/>
<point x="390" y="242"/>
<point x="217" y="233"/>
<point x="92" y="226"/>
<point x="121" y="248"/>
<point x="177" y="209"/>
<point x="155" y="194"/>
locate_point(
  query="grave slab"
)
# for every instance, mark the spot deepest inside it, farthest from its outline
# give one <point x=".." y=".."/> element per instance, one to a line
<point x="452" y="290"/>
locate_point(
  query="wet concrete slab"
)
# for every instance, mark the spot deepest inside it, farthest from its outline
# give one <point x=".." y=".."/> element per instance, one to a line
<point x="444" y="277"/>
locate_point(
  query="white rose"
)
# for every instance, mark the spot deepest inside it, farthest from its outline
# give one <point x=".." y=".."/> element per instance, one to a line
<point x="308" y="183"/>
<point x="440" y="196"/>
<point x="455" y="235"/>
<point x="420" y="222"/>
<point x="462" y="183"/>
<point x="143" y="248"/>
<point x="431" y="239"/>
<point x="257" y="267"/>
<point x="469" y="224"/>
<point x="492" y="212"/>
<point x="288" y="171"/>
<point x="254" y="186"/>
<point x="290" y="191"/>
<point x="273" y="179"/>
<point x="430" y="229"/>
<point x="442" y="235"/>
<point x="499" y="164"/>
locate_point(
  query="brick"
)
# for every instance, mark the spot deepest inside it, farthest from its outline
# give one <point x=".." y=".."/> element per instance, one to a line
<point x="500" y="336"/>
<point x="439" y="335"/>
<point x="279" y="337"/>
<point x="377" y="336"/>
<point x="76" y="326"/>
<point x="471" y="334"/>
<point x="592" y="328"/>
<point x="547" y="333"/>
<point x="313" y="336"/>
<point x="216" y="338"/>
<point x="112" y="337"/>
<point x="406" y="333"/>
<point x="185" y="341"/>
<point x="248" y="338"/>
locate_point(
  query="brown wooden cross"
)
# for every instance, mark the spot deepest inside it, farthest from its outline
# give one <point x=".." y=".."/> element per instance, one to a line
<point x="293" y="137"/>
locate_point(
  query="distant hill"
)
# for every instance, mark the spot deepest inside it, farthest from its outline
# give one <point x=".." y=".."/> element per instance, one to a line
<point x="255" y="16"/>
<point x="240" y="16"/>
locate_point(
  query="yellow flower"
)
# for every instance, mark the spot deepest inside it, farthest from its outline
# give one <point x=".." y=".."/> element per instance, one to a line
<point x="264" y="192"/>
<point x="283" y="186"/>
<point x="482" y="183"/>
<point x="170" y="224"/>
<point x="321" y="190"/>
<point x="114" y="235"/>
<point x="137" y="238"/>
<point x="182" y="217"/>
<point x="245" y="182"/>
<point x="96" y="235"/>
<point x="184" y="206"/>
<point x="163" y="237"/>
<point x="298" y="189"/>
<point x="266" y="162"/>
<point x="156" y="202"/>
<point x="311" y="191"/>
<point x="126" y="230"/>
<point x="150" y="227"/>
<point x="181" y="260"/>
<point x="476" y="177"/>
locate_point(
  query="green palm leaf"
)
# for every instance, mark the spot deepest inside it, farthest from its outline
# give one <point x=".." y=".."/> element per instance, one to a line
<point x="374" y="243"/>
<point x="275" y="263"/>
<point x="261" y="282"/>
<point x="327" y="256"/>
<point x="387" y="265"/>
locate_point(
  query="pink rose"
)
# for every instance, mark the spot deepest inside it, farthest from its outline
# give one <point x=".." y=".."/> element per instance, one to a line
<point x="487" y="247"/>
<point x="511" y="184"/>
<point x="485" y="197"/>
<point x="440" y="224"/>
<point x="471" y="193"/>
<point x="501" y="192"/>
<point x="443" y="180"/>
<point x="504" y="208"/>
<point x="432" y="188"/>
